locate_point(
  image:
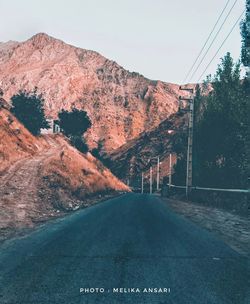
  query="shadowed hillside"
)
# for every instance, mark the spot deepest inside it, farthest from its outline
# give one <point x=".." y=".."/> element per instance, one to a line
<point x="130" y="160"/>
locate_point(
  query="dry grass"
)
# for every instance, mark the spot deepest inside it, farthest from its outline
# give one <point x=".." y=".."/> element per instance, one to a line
<point x="70" y="176"/>
<point x="16" y="142"/>
<point x="42" y="177"/>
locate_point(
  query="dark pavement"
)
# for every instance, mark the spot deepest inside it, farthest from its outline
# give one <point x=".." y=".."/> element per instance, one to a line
<point x="133" y="241"/>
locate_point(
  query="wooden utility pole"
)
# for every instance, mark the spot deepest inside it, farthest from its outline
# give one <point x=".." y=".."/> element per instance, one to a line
<point x="189" y="173"/>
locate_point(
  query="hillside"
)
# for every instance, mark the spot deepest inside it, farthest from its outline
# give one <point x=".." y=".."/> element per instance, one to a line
<point x="45" y="177"/>
<point x="16" y="142"/>
<point x="121" y="104"/>
<point x="130" y="160"/>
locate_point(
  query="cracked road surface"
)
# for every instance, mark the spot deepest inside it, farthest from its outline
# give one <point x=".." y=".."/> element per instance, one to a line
<point x="133" y="241"/>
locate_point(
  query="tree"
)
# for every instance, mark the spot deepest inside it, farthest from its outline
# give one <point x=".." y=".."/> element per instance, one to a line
<point x="74" y="124"/>
<point x="179" y="146"/>
<point x="103" y="157"/>
<point x="29" y="109"/>
<point x="245" y="59"/>
<point x="245" y="33"/>
<point x="220" y="131"/>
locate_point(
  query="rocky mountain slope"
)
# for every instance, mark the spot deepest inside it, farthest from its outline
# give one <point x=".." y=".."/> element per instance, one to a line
<point x="120" y="104"/>
<point x="43" y="177"/>
<point x="135" y="157"/>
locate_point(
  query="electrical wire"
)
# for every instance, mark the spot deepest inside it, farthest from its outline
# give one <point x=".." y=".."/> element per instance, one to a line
<point x="233" y="27"/>
<point x="204" y="45"/>
<point x="224" y="21"/>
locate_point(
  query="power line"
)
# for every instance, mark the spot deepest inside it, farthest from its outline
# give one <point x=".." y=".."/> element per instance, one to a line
<point x="222" y="45"/>
<point x="190" y="70"/>
<point x="224" y="21"/>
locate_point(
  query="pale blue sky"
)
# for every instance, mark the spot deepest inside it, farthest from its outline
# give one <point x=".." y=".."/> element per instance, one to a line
<point x="157" y="38"/>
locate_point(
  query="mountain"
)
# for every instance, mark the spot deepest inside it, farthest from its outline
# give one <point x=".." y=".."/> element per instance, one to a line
<point x="43" y="177"/>
<point x="121" y="104"/>
<point x="138" y="154"/>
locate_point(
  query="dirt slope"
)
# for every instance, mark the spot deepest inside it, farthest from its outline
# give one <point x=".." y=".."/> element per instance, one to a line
<point x="44" y="177"/>
<point x="15" y="141"/>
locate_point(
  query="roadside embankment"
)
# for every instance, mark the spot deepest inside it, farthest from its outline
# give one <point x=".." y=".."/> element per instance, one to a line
<point x="232" y="228"/>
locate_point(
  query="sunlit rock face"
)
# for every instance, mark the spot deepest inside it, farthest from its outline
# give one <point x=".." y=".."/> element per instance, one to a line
<point x="121" y="104"/>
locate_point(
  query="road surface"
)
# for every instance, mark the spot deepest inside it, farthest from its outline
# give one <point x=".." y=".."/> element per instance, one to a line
<point x="133" y="241"/>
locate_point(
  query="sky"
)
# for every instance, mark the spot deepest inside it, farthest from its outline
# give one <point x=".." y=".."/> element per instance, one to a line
<point x="157" y="38"/>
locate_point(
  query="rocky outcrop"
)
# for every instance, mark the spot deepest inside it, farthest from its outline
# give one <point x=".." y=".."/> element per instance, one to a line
<point x="120" y="104"/>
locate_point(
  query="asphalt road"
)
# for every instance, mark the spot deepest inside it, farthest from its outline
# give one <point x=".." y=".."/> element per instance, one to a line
<point x="133" y="241"/>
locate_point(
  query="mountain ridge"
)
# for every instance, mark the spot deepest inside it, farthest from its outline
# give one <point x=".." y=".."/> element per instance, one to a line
<point x="121" y="104"/>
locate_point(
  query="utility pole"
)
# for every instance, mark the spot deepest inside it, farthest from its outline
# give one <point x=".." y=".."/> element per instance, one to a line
<point x="150" y="180"/>
<point x="158" y="174"/>
<point x="189" y="173"/>
<point x="170" y="170"/>
<point x="142" y="183"/>
<point x="130" y="175"/>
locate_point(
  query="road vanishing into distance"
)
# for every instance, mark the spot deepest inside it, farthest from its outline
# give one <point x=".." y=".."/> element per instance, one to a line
<point x="124" y="248"/>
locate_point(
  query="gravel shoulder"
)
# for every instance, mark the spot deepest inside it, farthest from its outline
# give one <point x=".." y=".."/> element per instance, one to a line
<point x="233" y="229"/>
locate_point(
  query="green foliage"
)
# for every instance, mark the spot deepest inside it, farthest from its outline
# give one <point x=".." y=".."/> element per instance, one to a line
<point x="29" y="109"/>
<point x="96" y="152"/>
<point x="74" y="124"/>
<point x="179" y="145"/>
<point x="245" y="51"/>
<point x="221" y="130"/>
<point x="79" y="143"/>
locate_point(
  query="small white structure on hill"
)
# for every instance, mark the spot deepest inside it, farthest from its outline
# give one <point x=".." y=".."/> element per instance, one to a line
<point x="53" y="127"/>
